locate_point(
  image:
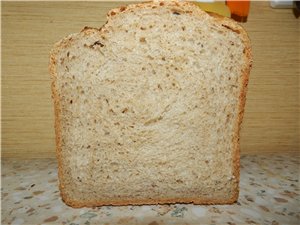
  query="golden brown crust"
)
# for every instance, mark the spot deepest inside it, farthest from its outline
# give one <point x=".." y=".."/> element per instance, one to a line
<point x="78" y="204"/>
<point x="152" y="4"/>
<point x="57" y="109"/>
<point x="228" y="23"/>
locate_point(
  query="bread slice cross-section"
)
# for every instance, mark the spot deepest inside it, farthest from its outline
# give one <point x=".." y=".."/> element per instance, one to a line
<point x="148" y="107"/>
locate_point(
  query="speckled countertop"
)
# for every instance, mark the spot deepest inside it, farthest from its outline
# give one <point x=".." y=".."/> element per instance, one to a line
<point x="269" y="194"/>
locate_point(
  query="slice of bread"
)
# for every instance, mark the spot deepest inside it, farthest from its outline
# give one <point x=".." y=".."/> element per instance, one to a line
<point x="148" y="107"/>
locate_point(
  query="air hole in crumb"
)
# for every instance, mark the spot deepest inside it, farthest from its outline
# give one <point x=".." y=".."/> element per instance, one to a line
<point x="122" y="8"/>
<point x="143" y="68"/>
<point x="88" y="146"/>
<point x="176" y="13"/>
<point x="143" y="40"/>
<point x="71" y="101"/>
<point x="163" y="59"/>
<point x="179" y="181"/>
<point x="230" y="28"/>
<point x="124" y="110"/>
<point x="165" y="25"/>
<point x="227" y="118"/>
<point x="161" y="4"/>
<point x="96" y="43"/>
<point x="68" y="54"/>
<point x="143" y="28"/>
<point x="173" y="84"/>
<point x="151" y="26"/>
<point x="183" y="28"/>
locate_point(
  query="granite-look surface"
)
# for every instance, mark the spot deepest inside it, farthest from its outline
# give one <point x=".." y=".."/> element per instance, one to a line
<point x="269" y="194"/>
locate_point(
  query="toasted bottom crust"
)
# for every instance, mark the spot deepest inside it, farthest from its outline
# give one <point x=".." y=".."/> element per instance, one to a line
<point x="76" y="204"/>
<point x="208" y="201"/>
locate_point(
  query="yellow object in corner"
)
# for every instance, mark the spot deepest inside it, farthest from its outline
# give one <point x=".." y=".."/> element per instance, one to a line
<point x="216" y="7"/>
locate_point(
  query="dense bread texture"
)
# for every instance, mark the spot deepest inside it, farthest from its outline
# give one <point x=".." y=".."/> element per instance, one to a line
<point x="148" y="107"/>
